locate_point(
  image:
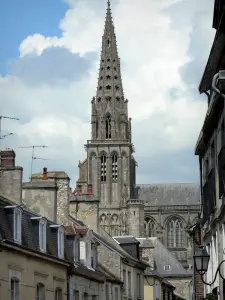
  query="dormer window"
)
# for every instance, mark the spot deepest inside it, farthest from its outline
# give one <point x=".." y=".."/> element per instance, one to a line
<point x="42" y="223"/>
<point x="60" y="239"/>
<point x="61" y="242"/>
<point x="17" y="224"/>
<point x="42" y="235"/>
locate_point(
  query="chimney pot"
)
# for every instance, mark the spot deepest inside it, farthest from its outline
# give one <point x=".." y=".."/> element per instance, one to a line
<point x="45" y="174"/>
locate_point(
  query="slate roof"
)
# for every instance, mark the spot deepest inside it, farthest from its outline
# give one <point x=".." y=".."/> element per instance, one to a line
<point x="104" y="238"/>
<point x="162" y="257"/>
<point x="29" y="230"/>
<point x="52" y="174"/>
<point x="129" y="239"/>
<point x="30" y="238"/>
<point x="169" y="194"/>
<point x="39" y="184"/>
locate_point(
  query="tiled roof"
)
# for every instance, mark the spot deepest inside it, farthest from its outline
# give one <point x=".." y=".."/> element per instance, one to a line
<point x="163" y="257"/>
<point x="169" y="194"/>
<point x="71" y="230"/>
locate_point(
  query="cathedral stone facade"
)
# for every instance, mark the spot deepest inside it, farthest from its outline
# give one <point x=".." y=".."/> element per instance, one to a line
<point x="109" y="170"/>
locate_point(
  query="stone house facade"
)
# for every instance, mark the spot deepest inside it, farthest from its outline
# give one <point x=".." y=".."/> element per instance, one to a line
<point x="210" y="150"/>
<point x="163" y="263"/>
<point x="38" y="261"/>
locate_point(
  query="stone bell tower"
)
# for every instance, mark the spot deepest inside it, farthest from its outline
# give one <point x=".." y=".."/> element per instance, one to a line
<point x="110" y="165"/>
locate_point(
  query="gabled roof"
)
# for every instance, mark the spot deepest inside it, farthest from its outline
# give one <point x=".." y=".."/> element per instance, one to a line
<point x="163" y="257"/>
<point x="169" y="194"/>
<point x="105" y="239"/>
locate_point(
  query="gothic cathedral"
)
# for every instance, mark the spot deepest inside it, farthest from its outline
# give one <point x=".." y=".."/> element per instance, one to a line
<point x="161" y="210"/>
<point x="110" y="165"/>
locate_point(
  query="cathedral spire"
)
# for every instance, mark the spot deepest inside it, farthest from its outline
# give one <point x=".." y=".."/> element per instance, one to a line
<point x="109" y="89"/>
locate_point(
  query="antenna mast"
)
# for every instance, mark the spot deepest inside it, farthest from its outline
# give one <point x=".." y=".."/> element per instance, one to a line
<point x="33" y="157"/>
<point x="5" y="135"/>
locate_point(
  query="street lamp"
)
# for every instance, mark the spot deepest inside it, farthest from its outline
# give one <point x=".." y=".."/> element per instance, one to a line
<point x="218" y="76"/>
<point x="201" y="262"/>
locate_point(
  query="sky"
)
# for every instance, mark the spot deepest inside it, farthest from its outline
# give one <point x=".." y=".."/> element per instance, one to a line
<point x="49" y="59"/>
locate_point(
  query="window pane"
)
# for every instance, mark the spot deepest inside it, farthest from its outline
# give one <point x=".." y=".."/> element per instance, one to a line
<point x="14" y="289"/>
<point x="76" y="295"/>
<point x="58" y="294"/>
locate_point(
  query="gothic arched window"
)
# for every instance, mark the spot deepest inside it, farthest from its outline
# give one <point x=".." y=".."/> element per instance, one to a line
<point x="108" y="126"/>
<point x="103" y="168"/>
<point x="104" y="222"/>
<point x="175" y="233"/>
<point x="114" y="167"/>
<point x="115" y="225"/>
<point x="149" y="227"/>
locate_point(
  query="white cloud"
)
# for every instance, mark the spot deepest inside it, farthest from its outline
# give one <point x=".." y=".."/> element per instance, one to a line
<point x="152" y="50"/>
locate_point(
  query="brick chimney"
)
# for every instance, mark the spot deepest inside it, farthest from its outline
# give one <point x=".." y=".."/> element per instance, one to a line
<point x="79" y="189"/>
<point x="7" y="158"/>
<point x="90" y="189"/>
<point x="45" y="174"/>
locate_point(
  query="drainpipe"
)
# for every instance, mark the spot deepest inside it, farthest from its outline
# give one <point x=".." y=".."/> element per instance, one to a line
<point x="69" y="272"/>
<point x="201" y="183"/>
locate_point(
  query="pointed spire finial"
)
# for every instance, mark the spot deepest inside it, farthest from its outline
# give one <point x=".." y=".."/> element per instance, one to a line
<point x="108" y="4"/>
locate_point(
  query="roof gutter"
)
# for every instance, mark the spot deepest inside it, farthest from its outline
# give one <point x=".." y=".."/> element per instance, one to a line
<point x="11" y="245"/>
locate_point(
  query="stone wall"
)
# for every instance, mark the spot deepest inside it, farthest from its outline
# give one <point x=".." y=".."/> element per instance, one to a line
<point x="62" y="200"/>
<point x="135" y="217"/>
<point x="11" y="183"/>
<point x="30" y="271"/>
<point x="147" y="255"/>
<point x="87" y="212"/>
<point x="110" y="260"/>
<point x="83" y="285"/>
<point x="182" y="286"/>
<point x="41" y="200"/>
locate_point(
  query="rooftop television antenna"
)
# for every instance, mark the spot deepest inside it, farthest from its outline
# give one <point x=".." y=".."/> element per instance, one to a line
<point x="33" y="157"/>
<point x="5" y="135"/>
